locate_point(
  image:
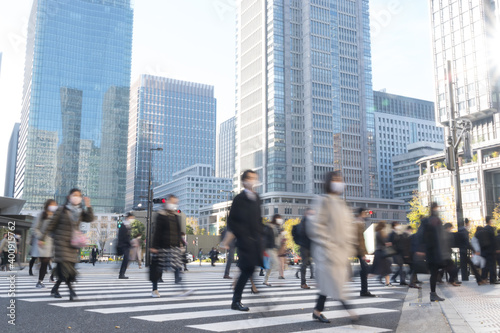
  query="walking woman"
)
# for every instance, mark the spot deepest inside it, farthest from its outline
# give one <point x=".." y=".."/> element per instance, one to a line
<point x="66" y="220"/>
<point x="381" y="263"/>
<point x="273" y="242"/>
<point x="332" y="242"/>
<point x="43" y="249"/>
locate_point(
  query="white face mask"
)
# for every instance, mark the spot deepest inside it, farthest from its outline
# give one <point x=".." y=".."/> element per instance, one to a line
<point x="337" y="187"/>
<point x="52" y="208"/>
<point x="279" y="221"/>
<point x="171" y="206"/>
<point x="249" y="184"/>
<point x="75" y="200"/>
<point x="468" y="227"/>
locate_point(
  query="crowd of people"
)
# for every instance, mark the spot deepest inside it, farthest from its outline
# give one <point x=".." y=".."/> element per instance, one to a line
<point x="329" y="235"/>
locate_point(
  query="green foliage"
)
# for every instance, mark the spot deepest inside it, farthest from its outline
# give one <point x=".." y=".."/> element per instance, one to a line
<point x="474" y="158"/>
<point x="137" y="228"/>
<point x="189" y="230"/>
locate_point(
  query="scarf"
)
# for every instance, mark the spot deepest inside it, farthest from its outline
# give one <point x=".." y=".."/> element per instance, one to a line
<point x="74" y="212"/>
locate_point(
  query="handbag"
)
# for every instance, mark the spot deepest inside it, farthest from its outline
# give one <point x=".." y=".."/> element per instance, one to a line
<point x="389" y="251"/>
<point x="420" y="265"/>
<point x="78" y="239"/>
<point x="266" y="261"/>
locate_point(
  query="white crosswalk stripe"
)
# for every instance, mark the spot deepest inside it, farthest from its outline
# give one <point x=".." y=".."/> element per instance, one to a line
<point x="207" y="296"/>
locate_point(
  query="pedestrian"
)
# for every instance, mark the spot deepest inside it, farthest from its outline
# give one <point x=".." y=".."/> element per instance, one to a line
<point x="497" y="240"/>
<point x="18" y="251"/>
<point x="43" y="248"/>
<point x="94" y="255"/>
<point x="361" y="252"/>
<point x="231" y="246"/>
<point x="166" y="244"/>
<point x="383" y="250"/>
<point x="184" y="250"/>
<point x="406" y="241"/>
<point x="300" y="238"/>
<point x="213" y="254"/>
<point x="488" y="251"/>
<point x="124" y="244"/>
<point x="394" y="239"/>
<point x="135" y="251"/>
<point x="64" y="225"/>
<point x="464" y="244"/>
<point x="200" y="254"/>
<point x="431" y="239"/>
<point x="245" y="222"/>
<point x="4" y="250"/>
<point x="332" y="243"/>
<point x="450" y="266"/>
<point x="477" y="259"/>
<point x="272" y="240"/>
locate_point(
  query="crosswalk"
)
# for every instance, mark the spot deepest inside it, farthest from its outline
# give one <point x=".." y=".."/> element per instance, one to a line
<point x="202" y="303"/>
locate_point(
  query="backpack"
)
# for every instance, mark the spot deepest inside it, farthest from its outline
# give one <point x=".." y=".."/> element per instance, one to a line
<point x="269" y="237"/>
<point x="299" y="234"/>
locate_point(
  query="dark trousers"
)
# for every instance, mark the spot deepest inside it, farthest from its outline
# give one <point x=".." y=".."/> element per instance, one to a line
<point x="43" y="268"/>
<point x="93" y="261"/>
<point x="498" y="262"/>
<point x="452" y="270"/>
<point x="240" y="284"/>
<point x="401" y="272"/>
<point x="229" y="259"/>
<point x="413" y="275"/>
<point x="434" y="269"/>
<point x="489" y="268"/>
<point x="32" y="262"/>
<point x="124" y="265"/>
<point x="320" y="303"/>
<point x="465" y="262"/>
<point x="305" y="254"/>
<point x="363" y="275"/>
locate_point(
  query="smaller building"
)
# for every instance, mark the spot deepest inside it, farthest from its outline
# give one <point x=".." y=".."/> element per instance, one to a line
<point x="196" y="187"/>
<point x="406" y="170"/>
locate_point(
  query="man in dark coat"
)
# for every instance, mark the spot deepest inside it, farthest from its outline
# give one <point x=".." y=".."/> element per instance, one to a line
<point x="361" y="252"/>
<point x="246" y="225"/>
<point x="300" y="238"/>
<point x="394" y="239"/>
<point x="488" y="251"/>
<point x="431" y="240"/>
<point x="463" y="243"/>
<point x="94" y="255"/>
<point x="124" y="244"/>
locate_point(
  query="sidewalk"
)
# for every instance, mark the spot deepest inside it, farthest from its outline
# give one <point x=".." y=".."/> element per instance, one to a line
<point x="468" y="308"/>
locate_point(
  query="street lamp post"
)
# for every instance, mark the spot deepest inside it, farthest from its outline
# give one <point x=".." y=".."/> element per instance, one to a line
<point x="149" y="207"/>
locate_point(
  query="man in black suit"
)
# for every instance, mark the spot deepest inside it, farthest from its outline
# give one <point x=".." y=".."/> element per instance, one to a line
<point x="124" y="244"/>
<point x="245" y="222"/>
<point x="488" y="250"/>
<point x="94" y="255"/>
<point x="463" y="243"/>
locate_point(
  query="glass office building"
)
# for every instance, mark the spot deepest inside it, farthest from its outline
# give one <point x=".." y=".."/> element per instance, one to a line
<point x="177" y="116"/>
<point x="226" y="147"/>
<point x="304" y="95"/>
<point x="75" y="103"/>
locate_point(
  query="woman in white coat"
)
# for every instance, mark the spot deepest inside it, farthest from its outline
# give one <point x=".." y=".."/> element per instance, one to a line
<point x="332" y="242"/>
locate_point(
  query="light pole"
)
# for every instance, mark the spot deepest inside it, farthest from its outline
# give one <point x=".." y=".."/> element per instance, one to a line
<point x="149" y="207"/>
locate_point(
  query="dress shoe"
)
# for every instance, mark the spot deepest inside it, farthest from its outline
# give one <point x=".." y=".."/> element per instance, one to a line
<point x="55" y="294"/>
<point x="403" y="284"/>
<point x="321" y="318"/>
<point x="160" y="280"/>
<point x="367" y="294"/>
<point x="254" y="291"/>
<point x="123" y="277"/>
<point x="261" y="272"/>
<point x="72" y="295"/>
<point x="455" y="284"/>
<point x="414" y="286"/>
<point x="40" y="284"/>
<point x="305" y="286"/>
<point x="281" y="277"/>
<point x="482" y="283"/>
<point x="238" y="306"/>
<point x="227" y="277"/>
<point x="267" y="284"/>
<point x="436" y="298"/>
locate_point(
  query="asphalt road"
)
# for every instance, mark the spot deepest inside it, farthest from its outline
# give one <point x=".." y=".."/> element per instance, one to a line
<point x="200" y="304"/>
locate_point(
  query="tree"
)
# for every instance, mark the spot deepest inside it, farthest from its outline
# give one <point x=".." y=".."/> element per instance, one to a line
<point x="417" y="210"/>
<point x="496" y="215"/>
<point x="192" y="226"/>
<point x="189" y="230"/>
<point x="138" y="228"/>
<point x="287" y="228"/>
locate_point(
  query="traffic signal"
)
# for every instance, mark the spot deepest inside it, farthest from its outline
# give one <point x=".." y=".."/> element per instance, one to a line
<point x="178" y="211"/>
<point x="159" y="201"/>
<point x="119" y="225"/>
<point x="370" y="212"/>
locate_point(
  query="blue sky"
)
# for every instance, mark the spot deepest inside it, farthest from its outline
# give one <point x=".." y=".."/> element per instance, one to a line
<point x="194" y="40"/>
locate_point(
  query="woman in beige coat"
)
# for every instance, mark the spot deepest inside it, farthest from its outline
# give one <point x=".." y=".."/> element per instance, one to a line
<point x="332" y="243"/>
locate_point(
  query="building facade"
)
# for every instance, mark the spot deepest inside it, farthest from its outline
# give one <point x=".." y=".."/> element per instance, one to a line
<point x="75" y="103"/>
<point x="400" y="121"/>
<point x="226" y="149"/>
<point x="304" y="95"/>
<point x="406" y="170"/>
<point x="177" y="116"/>
<point x="10" y="173"/>
<point x="196" y="187"/>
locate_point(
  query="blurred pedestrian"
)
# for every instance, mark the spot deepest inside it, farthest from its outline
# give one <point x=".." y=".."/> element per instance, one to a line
<point x="166" y="244"/>
<point x="488" y="251"/>
<point x="124" y="244"/>
<point x="213" y="254"/>
<point x="272" y="237"/>
<point x="230" y="247"/>
<point x="450" y="266"/>
<point x="464" y="244"/>
<point x="431" y="239"/>
<point x="135" y="251"/>
<point x="183" y="250"/>
<point x="64" y="225"/>
<point x="4" y="250"/>
<point x="43" y="248"/>
<point x="361" y="252"/>
<point x="245" y="222"/>
<point x="93" y="255"/>
<point x="300" y="238"/>
<point x="383" y="250"/>
<point x="332" y="243"/>
<point x="394" y="239"/>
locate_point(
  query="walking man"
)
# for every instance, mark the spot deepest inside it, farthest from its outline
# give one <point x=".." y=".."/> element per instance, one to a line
<point x="488" y="251"/>
<point x="360" y="225"/>
<point x="300" y="238"/>
<point x="246" y="225"/>
<point x="94" y="255"/>
<point x="230" y="254"/>
<point x="124" y="244"/>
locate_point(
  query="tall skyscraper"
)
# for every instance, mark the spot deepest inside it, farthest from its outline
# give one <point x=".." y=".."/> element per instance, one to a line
<point x="75" y="103"/>
<point x="10" y="173"/>
<point x="226" y="149"/>
<point x="304" y="95"/>
<point x="179" y="117"/>
<point x="400" y="121"/>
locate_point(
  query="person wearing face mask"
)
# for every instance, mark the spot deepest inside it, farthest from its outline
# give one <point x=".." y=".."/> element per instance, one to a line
<point x="361" y="252"/>
<point x="124" y="245"/>
<point x="42" y="249"/>
<point x="300" y="238"/>
<point x="245" y="223"/>
<point x="66" y="219"/>
<point x="272" y="239"/>
<point x="332" y="238"/>
<point x="166" y="244"/>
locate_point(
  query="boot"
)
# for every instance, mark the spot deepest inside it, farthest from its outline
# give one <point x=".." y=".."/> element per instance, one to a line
<point x="436" y="298"/>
